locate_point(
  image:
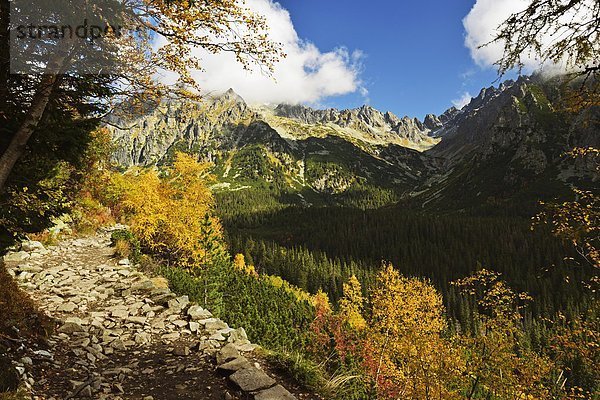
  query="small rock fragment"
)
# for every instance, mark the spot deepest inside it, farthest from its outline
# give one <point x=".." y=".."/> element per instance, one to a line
<point x="181" y="350"/>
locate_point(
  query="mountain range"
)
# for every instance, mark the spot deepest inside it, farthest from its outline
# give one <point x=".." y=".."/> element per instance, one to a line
<point x="507" y="145"/>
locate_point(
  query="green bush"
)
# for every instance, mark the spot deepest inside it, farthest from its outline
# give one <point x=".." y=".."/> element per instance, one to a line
<point x="273" y="317"/>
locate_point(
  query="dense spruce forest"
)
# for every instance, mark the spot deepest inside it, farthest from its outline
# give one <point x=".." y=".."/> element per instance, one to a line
<point x="321" y="247"/>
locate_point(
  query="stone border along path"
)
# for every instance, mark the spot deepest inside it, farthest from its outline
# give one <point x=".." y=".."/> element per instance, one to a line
<point x="123" y="335"/>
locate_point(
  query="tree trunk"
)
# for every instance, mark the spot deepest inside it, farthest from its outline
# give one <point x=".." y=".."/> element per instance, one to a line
<point x="17" y="146"/>
<point x="4" y="55"/>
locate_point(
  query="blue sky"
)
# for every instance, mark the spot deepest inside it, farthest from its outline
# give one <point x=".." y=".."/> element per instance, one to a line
<point x="415" y="60"/>
<point x="410" y="58"/>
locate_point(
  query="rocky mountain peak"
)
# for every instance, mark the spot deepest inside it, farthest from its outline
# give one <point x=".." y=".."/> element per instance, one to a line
<point x="300" y="113"/>
<point x="231" y="96"/>
<point x="370" y="123"/>
<point x="432" y="122"/>
<point x="392" y="118"/>
<point x="449" y="114"/>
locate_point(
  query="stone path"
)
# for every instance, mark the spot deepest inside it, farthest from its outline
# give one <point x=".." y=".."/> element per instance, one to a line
<point x="122" y="335"/>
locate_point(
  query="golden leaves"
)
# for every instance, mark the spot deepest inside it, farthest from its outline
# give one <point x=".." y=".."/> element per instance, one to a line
<point x="577" y="221"/>
<point x="169" y="213"/>
<point x="351" y="305"/>
<point x="409" y="356"/>
<point x="239" y="263"/>
<point x="167" y="34"/>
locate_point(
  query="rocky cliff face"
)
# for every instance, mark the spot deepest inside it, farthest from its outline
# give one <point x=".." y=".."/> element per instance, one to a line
<point x="511" y="139"/>
<point x="226" y="121"/>
<point x="505" y="140"/>
<point x="207" y="125"/>
<point x="328" y="151"/>
<point x="374" y="125"/>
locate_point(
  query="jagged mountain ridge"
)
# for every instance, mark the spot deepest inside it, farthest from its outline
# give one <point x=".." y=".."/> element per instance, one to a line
<point x="375" y="125"/>
<point x="364" y="124"/>
<point x="509" y="142"/>
<point x="249" y="144"/>
<point x="506" y="140"/>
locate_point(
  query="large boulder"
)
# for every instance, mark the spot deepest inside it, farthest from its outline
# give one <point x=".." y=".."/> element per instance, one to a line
<point x="252" y="379"/>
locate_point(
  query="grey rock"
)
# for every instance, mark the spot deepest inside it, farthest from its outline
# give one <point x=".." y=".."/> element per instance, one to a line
<point x="43" y="353"/>
<point x="236" y="364"/>
<point x="213" y="325"/>
<point x="171" y="336"/>
<point x="27" y="361"/>
<point x="143" y="286"/>
<point x="32" y="245"/>
<point x="30" y="268"/>
<point x="238" y="336"/>
<point x="70" y="328"/>
<point x="118" y="345"/>
<point x="137" y="320"/>
<point x="217" y="336"/>
<point x="227" y="353"/>
<point x="251" y="379"/>
<point x="143" y="338"/>
<point x="86" y="392"/>
<point x="122" y="314"/>
<point x="16" y="256"/>
<point x="67" y="307"/>
<point x="277" y="392"/>
<point x="180" y="323"/>
<point x="194" y="326"/>
<point x="198" y="313"/>
<point x="181" y="350"/>
<point x="245" y="348"/>
<point x="178" y="303"/>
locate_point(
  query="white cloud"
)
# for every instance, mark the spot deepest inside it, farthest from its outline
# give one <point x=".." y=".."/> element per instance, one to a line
<point x="463" y="100"/>
<point x="306" y="75"/>
<point x="481" y="26"/>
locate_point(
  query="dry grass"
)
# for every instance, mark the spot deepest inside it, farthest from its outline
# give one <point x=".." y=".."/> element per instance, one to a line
<point x="122" y="248"/>
<point x="18" y="310"/>
<point x="160" y="282"/>
<point x="45" y="237"/>
<point x="19" y="395"/>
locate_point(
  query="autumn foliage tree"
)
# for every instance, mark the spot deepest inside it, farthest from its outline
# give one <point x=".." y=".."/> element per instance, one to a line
<point x="337" y="335"/>
<point x="406" y="355"/>
<point x="498" y="362"/>
<point x="578" y="221"/>
<point x="239" y="263"/>
<point x="562" y="32"/>
<point x="160" y="36"/>
<point x="171" y="213"/>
